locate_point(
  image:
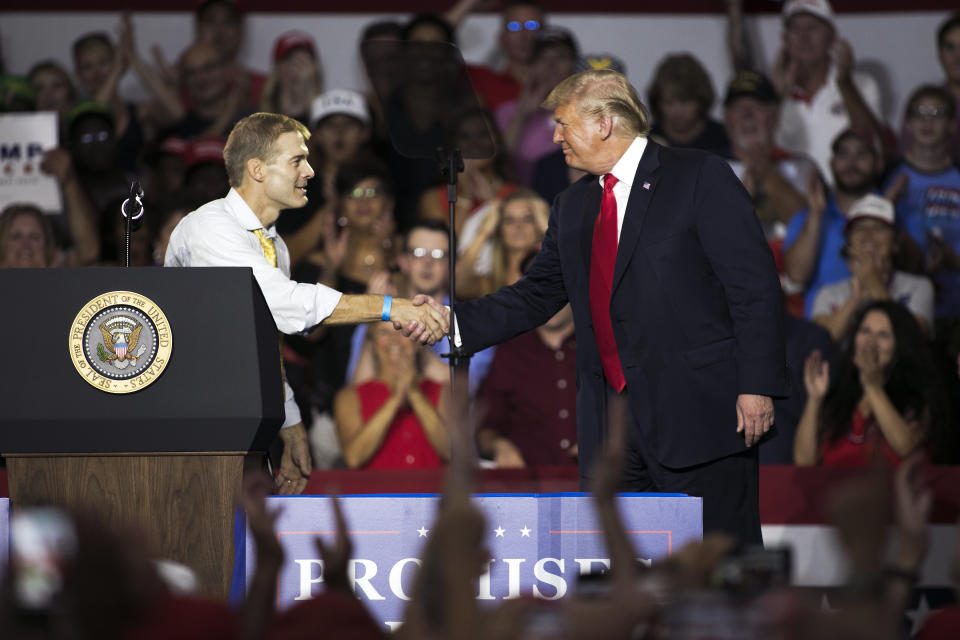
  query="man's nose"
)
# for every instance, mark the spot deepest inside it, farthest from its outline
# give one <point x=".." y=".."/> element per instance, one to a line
<point x="557" y="136"/>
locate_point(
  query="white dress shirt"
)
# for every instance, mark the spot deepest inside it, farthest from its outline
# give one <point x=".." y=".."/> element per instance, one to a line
<point x="625" y="170"/>
<point x="220" y="234"/>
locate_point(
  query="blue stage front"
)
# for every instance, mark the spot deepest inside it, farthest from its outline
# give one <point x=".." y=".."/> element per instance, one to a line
<point x="539" y="543"/>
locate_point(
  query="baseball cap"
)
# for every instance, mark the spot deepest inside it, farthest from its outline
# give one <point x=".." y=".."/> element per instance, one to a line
<point x="818" y="8"/>
<point x="204" y="151"/>
<point x="750" y="84"/>
<point x="870" y="206"/>
<point x="287" y="42"/>
<point x="339" y="101"/>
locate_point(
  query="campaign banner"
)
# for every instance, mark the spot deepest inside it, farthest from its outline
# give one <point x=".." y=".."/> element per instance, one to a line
<point x="539" y="543"/>
<point x="24" y="138"/>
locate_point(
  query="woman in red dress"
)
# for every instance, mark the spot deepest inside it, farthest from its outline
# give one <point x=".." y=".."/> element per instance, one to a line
<point x="884" y="400"/>
<point x="396" y="420"/>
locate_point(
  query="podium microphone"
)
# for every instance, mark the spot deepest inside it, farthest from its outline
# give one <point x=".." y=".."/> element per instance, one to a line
<point x="132" y="211"/>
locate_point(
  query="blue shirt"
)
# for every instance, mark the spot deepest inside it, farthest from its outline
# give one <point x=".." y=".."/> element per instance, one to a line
<point x="931" y="207"/>
<point x="830" y="267"/>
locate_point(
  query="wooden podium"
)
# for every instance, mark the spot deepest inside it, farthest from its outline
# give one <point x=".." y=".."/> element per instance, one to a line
<point x="167" y="457"/>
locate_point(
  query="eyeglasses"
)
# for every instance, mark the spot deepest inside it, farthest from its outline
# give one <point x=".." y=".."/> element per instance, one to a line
<point x="528" y="25"/>
<point x="91" y="138"/>
<point x="421" y="252"/>
<point x="366" y="194"/>
<point x="924" y="112"/>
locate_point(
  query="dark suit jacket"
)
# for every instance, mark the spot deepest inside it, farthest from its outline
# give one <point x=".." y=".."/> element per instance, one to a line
<point x="696" y="307"/>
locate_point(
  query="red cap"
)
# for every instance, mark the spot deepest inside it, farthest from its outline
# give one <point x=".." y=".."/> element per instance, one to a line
<point x="291" y="40"/>
<point x="203" y="151"/>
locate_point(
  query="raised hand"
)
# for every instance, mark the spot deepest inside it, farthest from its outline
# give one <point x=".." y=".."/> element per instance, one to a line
<point x="867" y="361"/>
<point x="336" y="558"/>
<point x="816" y="375"/>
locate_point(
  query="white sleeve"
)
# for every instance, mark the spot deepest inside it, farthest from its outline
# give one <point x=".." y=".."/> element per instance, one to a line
<point x="869" y="91"/>
<point x="294" y="306"/>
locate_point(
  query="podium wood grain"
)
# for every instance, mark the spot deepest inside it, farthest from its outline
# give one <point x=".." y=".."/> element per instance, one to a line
<point x="185" y="503"/>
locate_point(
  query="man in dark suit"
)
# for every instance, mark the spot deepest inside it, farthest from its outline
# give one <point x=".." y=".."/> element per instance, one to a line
<point x="677" y="305"/>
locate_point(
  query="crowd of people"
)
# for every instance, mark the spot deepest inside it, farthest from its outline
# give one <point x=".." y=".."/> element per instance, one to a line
<point x="862" y="216"/>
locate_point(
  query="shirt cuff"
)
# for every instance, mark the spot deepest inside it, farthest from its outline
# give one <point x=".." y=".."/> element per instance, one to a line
<point x="290" y="409"/>
<point x="457" y="342"/>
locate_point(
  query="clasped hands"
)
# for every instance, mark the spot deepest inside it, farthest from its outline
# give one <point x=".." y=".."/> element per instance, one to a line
<point x="421" y="319"/>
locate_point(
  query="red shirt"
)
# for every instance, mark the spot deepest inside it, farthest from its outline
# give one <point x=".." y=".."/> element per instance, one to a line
<point x="493" y="87"/>
<point x="530" y="397"/>
<point x="860" y="445"/>
<point x="405" y="446"/>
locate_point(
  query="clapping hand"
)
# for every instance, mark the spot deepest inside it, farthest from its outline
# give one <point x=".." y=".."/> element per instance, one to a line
<point x="816" y="375"/>
<point x="867" y="361"/>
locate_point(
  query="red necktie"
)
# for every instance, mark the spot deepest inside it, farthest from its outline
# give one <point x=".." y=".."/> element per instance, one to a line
<point x="603" y="257"/>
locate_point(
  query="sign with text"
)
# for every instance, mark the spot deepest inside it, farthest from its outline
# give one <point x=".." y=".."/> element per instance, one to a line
<point x="24" y="138"/>
<point x="539" y="543"/>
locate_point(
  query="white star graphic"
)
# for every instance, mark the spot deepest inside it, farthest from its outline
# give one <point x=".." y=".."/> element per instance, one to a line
<point x="422" y="532"/>
<point x="918" y="614"/>
<point x="525" y="532"/>
<point x="499" y="531"/>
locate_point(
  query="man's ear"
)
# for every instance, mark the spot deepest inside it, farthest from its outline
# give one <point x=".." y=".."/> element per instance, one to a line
<point x="255" y="169"/>
<point x="605" y="126"/>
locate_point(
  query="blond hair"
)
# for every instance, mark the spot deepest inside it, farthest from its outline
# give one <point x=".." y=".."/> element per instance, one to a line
<point x="255" y="137"/>
<point x="603" y="92"/>
<point x="541" y="213"/>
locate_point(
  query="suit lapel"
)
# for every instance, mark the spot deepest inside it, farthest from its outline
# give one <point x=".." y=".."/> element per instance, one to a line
<point x="644" y="184"/>
<point x="590" y="209"/>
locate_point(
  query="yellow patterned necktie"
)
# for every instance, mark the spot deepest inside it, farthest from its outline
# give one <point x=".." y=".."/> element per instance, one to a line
<point x="270" y="253"/>
<point x="269" y="250"/>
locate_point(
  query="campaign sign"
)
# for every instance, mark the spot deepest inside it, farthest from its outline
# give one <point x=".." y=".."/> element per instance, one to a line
<point x="24" y="138"/>
<point x="539" y="543"/>
<point x="4" y="534"/>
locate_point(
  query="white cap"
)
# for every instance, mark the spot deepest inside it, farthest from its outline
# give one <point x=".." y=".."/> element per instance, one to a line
<point x="870" y="206"/>
<point x="819" y="8"/>
<point x="339" y="101"/>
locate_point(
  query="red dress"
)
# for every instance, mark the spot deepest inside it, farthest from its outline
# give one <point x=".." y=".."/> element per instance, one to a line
<point x="405" y="445"/>
<point x="860" y="445"/>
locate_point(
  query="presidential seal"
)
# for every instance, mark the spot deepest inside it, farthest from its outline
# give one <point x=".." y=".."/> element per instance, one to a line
<point x="120" y="342"/>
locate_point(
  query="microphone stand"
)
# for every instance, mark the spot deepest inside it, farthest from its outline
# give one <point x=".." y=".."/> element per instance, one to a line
<point x="132" y="211"/>
<point x="451" y="164"/>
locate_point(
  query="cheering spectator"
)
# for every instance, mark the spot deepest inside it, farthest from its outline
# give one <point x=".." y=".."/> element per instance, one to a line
<point x="775" y="178"/>
<point x="929" y="209"/>
<point x="53" y="87"/>
<point x="26" y="238"/>
<point x="483" y="180"/>
<point x="396" y="420"/>
<point x="815" y="235"/>
<point x="205" y="173"/>
<point x="821" y="94"/>
<point x="527" y="127"/>
<point x="868" y="251"/>
<point x="529" y="398"/>
<point x="296" y="79"/>
<point x="215" y="104"/>
<point x="680" y="97"/>
<point x="100" y="65"/>
<point x="504" y="237"/>
<point x="884" y="400"/>
<point x="220" y="23"/>
<point x="948" y="50"/>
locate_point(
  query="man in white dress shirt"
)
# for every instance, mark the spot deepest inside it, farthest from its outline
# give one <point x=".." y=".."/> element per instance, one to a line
<point x="266" y="161"/>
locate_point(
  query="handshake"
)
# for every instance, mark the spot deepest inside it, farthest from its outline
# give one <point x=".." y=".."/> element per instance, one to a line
<point x="421" y="319"/>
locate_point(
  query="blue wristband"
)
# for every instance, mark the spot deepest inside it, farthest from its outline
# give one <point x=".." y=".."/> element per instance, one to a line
<point x="387" y="305"/>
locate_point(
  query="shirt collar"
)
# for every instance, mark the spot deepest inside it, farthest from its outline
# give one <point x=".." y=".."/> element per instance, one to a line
<point x="626" y="168"/>
<point x="244" y="215"/>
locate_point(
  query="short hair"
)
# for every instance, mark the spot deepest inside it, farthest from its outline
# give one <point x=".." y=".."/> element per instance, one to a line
<point x="13" y="211"/>
<point x="96" y="37"/>
<point x="255" y="137"/>
<point x="866" y="136"/>
<point x="684" y="74"/>
<point x="932" y="91"/>
<point x="948" y="25"/>
<point x="430" y="19"/>
<point x="603" y="92"/>
<point x="367" y="167"/>
<point x="382" y="29"/>
<point x="235" y="13"/>
<point x="426" y="224"/>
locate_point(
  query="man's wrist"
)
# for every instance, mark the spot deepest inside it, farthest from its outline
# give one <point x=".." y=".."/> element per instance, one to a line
<point x="387" y="308"/>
